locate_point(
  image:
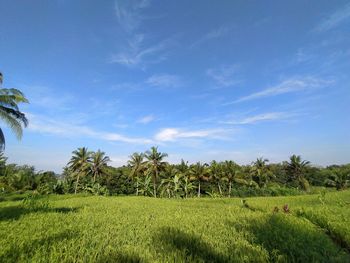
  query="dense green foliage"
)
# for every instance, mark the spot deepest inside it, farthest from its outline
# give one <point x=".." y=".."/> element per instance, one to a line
<point x="76" y="228"/>
<point x="149" y="174"/>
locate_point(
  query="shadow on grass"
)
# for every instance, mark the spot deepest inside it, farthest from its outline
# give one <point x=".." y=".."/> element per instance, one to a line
<point x="24" y="253"/>
<point x="337" y="235"/>
<point x="15" y="212"/>
<point x="12" y="198"/>
<point x="289" y="239"/>
<point x="190" y="247"/>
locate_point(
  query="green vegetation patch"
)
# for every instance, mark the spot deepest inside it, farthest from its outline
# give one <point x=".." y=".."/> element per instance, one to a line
<point x="139" y="229"/>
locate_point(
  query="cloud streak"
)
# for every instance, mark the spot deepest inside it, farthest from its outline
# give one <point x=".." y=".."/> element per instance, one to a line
<point x="137" y="54"/>
<point x="46" y="125"/>
<point x="335" y="19"/>
<point x="146" y="119"/>
<point x="129" y="14"/>
<point x="174" y="134"/>
<point x="287" y="86"/>
<point x="214" y="34"/>
<point x="269" y="116"/>
<point x="164" y="81"/>
<point x="225" y="76"/>
<point x="137" y="50"/>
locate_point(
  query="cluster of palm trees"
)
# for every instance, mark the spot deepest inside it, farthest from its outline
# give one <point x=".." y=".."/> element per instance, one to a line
<point x="152" y="175"/>
<point x="85" y="163"/>
<point x="184" y="178"/>
<point x="10" y="113"/>
<point x="151" y="163"/>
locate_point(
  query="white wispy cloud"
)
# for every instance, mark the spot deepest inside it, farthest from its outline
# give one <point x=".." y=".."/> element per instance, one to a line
<point x="287" y="86"/>
<point x="174" y="134"/>
<point x="129" y="13"/>
<point x="338" y="17"/>
<point x="216" y="33"/>
<point x="139" y="49"/>
<point x="225" y="75"/>
<point x="165" y="81"/>
<point x="138" y="54"/>
<point x="42" y="124"/>
<point x="147" y="119"/>
<point x="302" y="56"/>
<point x="269" y="116"/>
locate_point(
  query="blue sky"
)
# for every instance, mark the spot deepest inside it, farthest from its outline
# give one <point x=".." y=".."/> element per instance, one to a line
<point x="202" y="80"/>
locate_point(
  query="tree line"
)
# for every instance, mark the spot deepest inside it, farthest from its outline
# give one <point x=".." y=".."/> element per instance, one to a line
<point x="149" y="174"/>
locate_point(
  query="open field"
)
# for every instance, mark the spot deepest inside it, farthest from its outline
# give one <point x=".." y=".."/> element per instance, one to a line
<point x="139" y="229"/>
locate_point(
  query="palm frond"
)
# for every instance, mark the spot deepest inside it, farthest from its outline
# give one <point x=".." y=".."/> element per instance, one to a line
<point x="2" y="141"/>
<point x="14" y="124"/>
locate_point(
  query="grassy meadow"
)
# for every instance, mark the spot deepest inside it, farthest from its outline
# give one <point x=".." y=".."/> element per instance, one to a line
<point x="313" y="228"/>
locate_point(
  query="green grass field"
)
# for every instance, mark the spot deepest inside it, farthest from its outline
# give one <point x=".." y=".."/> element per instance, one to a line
<point x="138" y="229"/>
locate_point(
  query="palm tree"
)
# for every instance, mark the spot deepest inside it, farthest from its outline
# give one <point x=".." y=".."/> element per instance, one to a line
<point x="216" y="174"/>
<point x="296" y="168"/>
<point x="99" y="163"/>
<point x="155" y="165"/>
<point x="230" y="171"/>
<point x="137" y="167"/>
<point x="260" y="171"/>
<point x="340" y="178"/>
<point x="3" y="160"/>
<point x="80" y="164"/>
<point x="182" y="167"/>
<point x="199" y="172"/>
<point x="10" y="113"/>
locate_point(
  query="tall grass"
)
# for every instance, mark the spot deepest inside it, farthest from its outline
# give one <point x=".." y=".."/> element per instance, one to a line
<point x="140" y="229"/>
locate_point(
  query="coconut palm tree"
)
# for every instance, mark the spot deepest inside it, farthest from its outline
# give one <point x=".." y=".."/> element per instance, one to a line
<point x="3" y="160"/>
<point x="339" y="178"/>
<point x="155" y="165"/>
<point x="99" y="162"/>
<point x="199" y="172"/>
<point x="216" y="174"/>
<point x="10" y="113"/>
<point x="137" y="167"/>
<point x="80" y="164"/>
<point x="182" y="168"/>
<point x="260" y="172"/>
<point x="296" y="169"/>
<point x="296" y="166"/>
<point x="230" y="171"/>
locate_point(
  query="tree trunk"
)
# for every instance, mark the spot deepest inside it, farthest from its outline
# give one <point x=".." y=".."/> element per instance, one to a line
<point x="76" y="184"/>
<point x="137" y="186"/>
<point x="199" y="189"/>
<point x="229" y="188"/>
<point x="219" y="189"/>
<point x="94" y="177"/>
<point x="168" y="190"/>
<point x="154" y="184"/>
